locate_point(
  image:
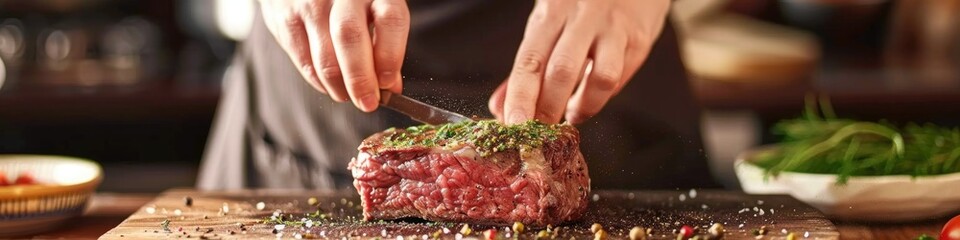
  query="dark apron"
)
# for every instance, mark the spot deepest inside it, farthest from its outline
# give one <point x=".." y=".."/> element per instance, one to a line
<point x="273" y="130"/>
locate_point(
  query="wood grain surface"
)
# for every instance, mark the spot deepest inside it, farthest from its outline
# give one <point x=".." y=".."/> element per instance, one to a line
<point x="218" y="215"/>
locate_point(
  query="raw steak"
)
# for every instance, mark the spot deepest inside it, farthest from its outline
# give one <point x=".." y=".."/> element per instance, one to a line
<point x="465" y="175"/>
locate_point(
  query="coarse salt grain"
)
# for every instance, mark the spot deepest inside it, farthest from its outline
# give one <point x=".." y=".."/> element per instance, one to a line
<point x="225" y="208"/>
<point x="683" y="197"/>
<point x="261" y="205"/>
<point x="383" y="232"/>
<point x="151" y="210"/>
<point x="693" y="193"/>
<point x="630" y="196"/>
<point x="279" y="227"/>
<point x="704" y="206"/>
<point x="761" y="212"/>
<point x="177" y="212"/>
<point x="759" y="202"/>
<point x="596" y="197"/>
<point x="458" y="236"/>
<point x="806" y="234"/>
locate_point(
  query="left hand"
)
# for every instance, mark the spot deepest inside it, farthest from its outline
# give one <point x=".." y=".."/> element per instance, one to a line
<point x="576" y="55"/>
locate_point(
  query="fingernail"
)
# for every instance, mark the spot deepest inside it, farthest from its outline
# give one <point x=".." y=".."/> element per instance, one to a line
<point x="516" y="116"/>
<point x="368" y="102"/>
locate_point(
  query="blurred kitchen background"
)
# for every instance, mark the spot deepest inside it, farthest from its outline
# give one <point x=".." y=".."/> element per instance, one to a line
<point x="134" y="84"/>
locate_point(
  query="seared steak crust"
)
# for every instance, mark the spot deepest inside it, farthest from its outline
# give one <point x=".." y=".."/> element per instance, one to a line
<point x="539" y="186"/>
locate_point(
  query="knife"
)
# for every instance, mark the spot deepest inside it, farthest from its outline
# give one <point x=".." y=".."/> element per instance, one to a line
<point x="418" y="110"/>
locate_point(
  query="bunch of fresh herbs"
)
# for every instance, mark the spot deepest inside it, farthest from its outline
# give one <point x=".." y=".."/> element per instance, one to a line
<point x="820" y="142"/>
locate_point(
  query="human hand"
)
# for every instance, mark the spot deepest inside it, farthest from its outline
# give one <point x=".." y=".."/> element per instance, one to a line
<point x="575" y="56"/>
<point x="333" y="46"/>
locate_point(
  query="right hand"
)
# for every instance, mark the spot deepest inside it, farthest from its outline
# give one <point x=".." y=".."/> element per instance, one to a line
<point x="348" y="49"/>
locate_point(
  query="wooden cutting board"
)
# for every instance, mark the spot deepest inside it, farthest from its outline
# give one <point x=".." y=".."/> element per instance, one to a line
<point x="217" y="215"/>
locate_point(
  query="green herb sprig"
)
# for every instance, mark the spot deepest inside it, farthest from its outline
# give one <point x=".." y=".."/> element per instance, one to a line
<point x="819" y="142"/>
<point x="489" y="136"/>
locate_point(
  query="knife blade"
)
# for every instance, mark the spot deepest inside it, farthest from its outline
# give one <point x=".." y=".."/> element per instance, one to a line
<point x="418" y="110"/>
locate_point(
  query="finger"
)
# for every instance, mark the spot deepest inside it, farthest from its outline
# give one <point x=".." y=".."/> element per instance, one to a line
<point x="565" y="68"/>
<point x="523" y="85"/>
<point x="352" y="44"/>
<point x="391" y="24"/>
<point x="321" y="50"/>
<point x="496" y="101"/>
<point x="637" y="50"/>
<point x="292" y="36"/>
<point x="603" y="79"/>
<point x="635" y="55"/>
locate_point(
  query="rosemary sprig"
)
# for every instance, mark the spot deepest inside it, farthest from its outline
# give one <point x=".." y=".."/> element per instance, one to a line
<point x="819" y="142"/>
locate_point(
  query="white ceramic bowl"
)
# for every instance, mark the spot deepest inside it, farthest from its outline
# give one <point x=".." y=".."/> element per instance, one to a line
<point x="64" y="186"/>
<point x="881" y="198"/>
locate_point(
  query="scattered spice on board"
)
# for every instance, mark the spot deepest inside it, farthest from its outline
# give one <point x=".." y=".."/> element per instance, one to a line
<point x="188" y="201"/>
<point x="165" y="225"/>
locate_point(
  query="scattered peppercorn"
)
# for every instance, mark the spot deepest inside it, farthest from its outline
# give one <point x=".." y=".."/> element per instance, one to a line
<point x="637" y="233"/>
<point x="600" y="235"/>
<point x="542" y="234"/>
<point x="761" y="231"/>
<point x="188" y="201"/>
<point x="596" y="227"/>
<point x="517" y="227"/>
<point x="716" y="230"/>
<point x="686" y="231"/>
<point x="490" y="234"/>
